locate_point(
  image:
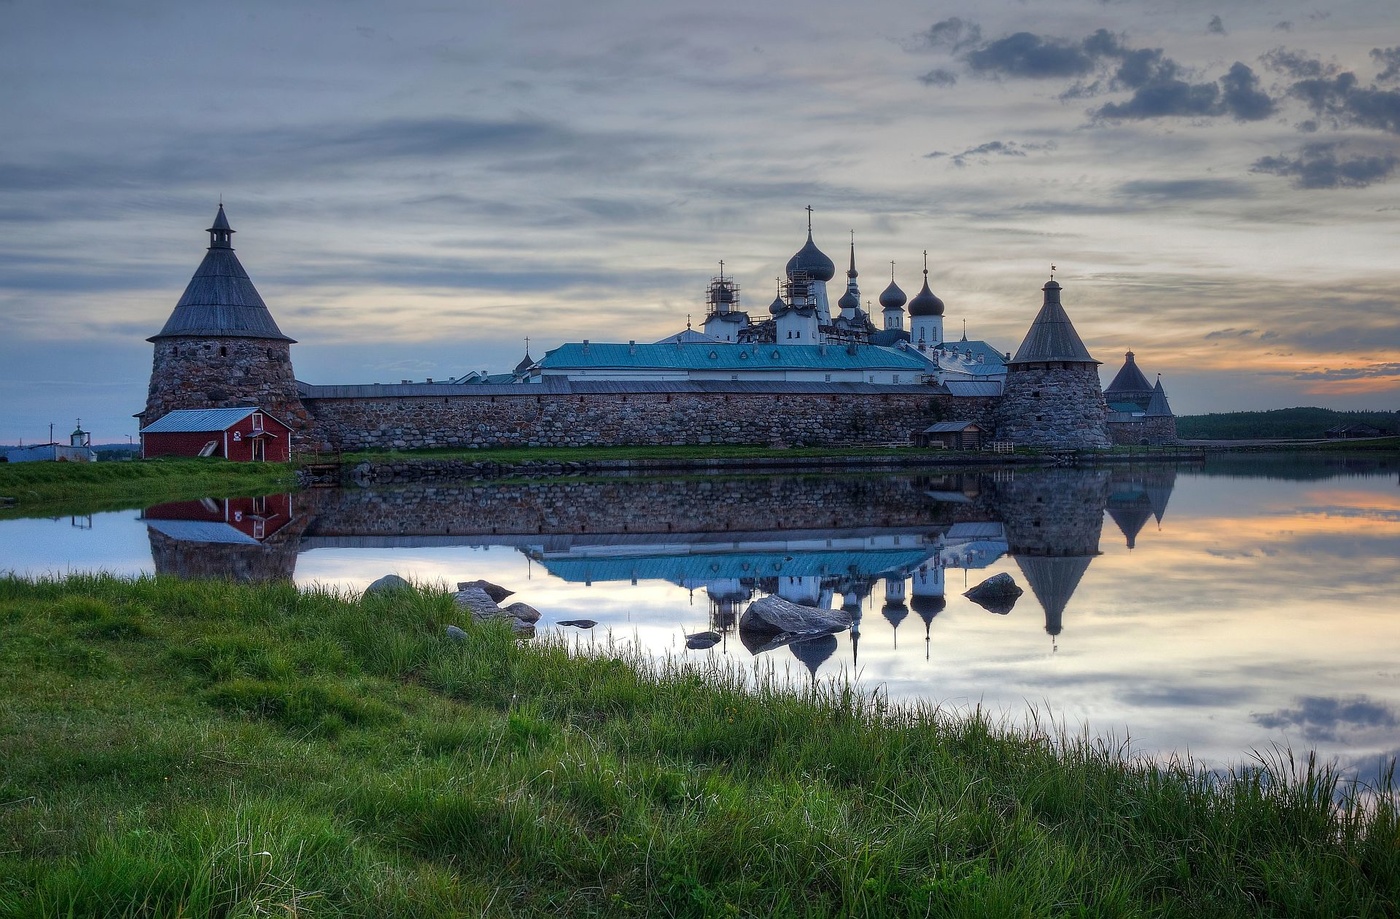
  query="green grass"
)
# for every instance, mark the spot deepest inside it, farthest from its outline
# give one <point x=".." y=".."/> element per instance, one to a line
<point x="61" y="488"/>
<point x="206" y="749"/>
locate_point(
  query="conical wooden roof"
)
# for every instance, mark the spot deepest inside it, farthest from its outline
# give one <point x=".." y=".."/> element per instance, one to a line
<point x="220" y="300"/>
<point x="1052" y="336"/>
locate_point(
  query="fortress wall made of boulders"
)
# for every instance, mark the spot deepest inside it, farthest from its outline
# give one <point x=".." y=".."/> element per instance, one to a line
<point x="483" y="420"/>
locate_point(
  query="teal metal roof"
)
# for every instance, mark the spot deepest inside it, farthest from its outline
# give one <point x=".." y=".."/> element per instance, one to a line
<point x="726" y="356"/>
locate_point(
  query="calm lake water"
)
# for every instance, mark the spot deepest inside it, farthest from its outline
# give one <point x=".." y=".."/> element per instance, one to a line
<point x="1215" y="611"/>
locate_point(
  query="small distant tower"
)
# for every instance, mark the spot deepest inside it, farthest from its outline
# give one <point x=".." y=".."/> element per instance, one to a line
<point x="1052" y="397"/>
<point x="925" y="316"/>
<point x="79" y="437"/>
<point x="850" y="300"/>
<point x="723" y="319"/>
<point x="892" y="302"/>
<point x="220" y="348"/>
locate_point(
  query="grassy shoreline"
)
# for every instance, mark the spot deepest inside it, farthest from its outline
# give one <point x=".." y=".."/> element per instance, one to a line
<point x="61" y="488"/>
<point x="201" y="748"/>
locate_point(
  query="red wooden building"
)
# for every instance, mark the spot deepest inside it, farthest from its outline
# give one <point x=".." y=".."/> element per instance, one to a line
<point x="222" y="520"/>
<point x="240" y="434"/>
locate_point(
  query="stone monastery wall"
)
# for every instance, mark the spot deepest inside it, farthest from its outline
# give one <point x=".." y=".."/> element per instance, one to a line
<point x="618" y="506"/>
<point x="550" y="419"/>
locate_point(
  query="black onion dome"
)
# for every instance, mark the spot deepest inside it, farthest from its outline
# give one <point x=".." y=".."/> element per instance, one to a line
<point x="849" y="301"/>
<point x="928" y="607"/>
<point x="777" y="306"/>
<point x="813" y="261"/>
<point x="893" y="297"/>
<point x="925" y="302"/>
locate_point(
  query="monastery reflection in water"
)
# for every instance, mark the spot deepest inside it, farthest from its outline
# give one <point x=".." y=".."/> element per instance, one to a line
<point x="806" y="539"/>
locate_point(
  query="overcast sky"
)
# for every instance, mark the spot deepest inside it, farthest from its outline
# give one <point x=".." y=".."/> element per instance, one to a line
<point x="418" y="186"/>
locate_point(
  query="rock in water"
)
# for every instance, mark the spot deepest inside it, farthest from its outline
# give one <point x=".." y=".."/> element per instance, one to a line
<point x="702" y="640"/>
<point x="524" y="612"/>
<point x="496" y="592"/>
<point x="387" y="584"/>
<point x="998" y="594"/>
<point x="776" y="616"/>
<point x="578" y="623"/>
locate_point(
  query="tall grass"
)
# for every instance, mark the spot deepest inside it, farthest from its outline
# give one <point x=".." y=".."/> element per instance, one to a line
<point x="205" y="749"/>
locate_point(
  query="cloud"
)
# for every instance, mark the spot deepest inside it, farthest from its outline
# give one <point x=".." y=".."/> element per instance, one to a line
<point x="1031" y="56"/>
<point x="1342" y="98"/>
<point x="1187" y="189"/>
<point x="1297" y="64"/>
<point x="1390" y="57"/>
<point x="1158" y="82"/>
<point x="1162" y="95"/>
<point x="1216" y="26"/>
<point x="982" y="152"/>
<point x="1385" y="370"/>
<point x="1328" y="165"/>
<point x="1328" y="719"/>
<point x="939" y="77"/>
<point x="952" y="34"/>
<point x="1284" y="26"/>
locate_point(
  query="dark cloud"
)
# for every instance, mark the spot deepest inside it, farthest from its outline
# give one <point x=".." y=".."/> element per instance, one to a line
<point x="1031" y="56"/>
<point x="939" y="77"/>
<point x="1158" y="83"/>
<point x="1327" y="719"/>
<point x="1216" y="26"/>
<point x="1390" y="59"/>
<point x="1328" y="165"/>
<point x="1241" y="95"/>
<point x="1285" y="26"/>
<point x="1164" y="99"/>
<point x="1296" y="64"/>
<point x="1346" y="102"/>
<point x="1163" y="95"/>
<point x="1188" y="189"/>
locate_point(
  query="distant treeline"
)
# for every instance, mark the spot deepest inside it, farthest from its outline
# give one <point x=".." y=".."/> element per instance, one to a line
<point x="1282" y="422"/>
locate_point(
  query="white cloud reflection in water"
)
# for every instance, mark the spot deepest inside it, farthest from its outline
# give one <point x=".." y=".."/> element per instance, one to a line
<point x="1259" y="613"/>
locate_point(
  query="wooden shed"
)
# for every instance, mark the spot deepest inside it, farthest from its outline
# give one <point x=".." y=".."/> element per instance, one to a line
<point x="953" y="435"/>
<point x="245" y="435"/>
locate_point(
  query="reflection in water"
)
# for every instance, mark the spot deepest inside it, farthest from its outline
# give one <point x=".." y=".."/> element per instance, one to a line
<point x="1211" y="611"/>
<point x="904" y="532"/>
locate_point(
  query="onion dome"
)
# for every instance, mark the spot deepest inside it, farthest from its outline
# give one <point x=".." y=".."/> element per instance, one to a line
<point x="813" y="261"/>
<point x="777" y="306"/>
<point x="893" y="298"/>
<point x="925" y="302"/>
<point x="849" y="301"/>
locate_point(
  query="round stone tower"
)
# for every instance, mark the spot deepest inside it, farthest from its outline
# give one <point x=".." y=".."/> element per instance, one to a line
<point x="1052" y="397"/>
<point x="220" y="348"/>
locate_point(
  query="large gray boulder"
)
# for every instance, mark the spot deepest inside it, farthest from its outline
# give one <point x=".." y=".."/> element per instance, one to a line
<point x="778" y="617"/>
<point x="495" y="591"/>
<point x="524" y="612"/>
<point x="473" y="597"/>
<point x="998" y="594"/>
<point x="388" y="584"/>
<point x="700" y="641"/>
